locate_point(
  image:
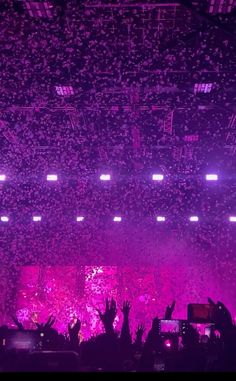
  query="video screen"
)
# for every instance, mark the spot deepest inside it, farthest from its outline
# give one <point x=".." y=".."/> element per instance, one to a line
<point x="169" y="326"/>
<point x="21" y="340"/>
<point x="201" y="328"/>
<point x="200" y="313"/>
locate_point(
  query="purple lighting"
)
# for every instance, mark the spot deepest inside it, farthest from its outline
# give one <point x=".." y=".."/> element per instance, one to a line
<point x="37" y="218"/>
<point x="117" y="219"/>
<point x="157" y="177"/>
<point x="160" y="219"/>
<point x="2" y="177"/>
<point x="117" y="186"/>
<point x="51" y="177"/>
<point x="4" y="219"/>
<point x="105" y="177"/>
<point x="211" y="177"/>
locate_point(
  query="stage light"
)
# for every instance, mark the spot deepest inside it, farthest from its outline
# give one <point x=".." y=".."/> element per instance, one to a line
<point x="232" y="218"/>
<point x="191" y="138"/>
<point x="161" y="218"/>
<point x="4" y="219"/>
<point x="117" y="219"/>
<point x="39" y="8"/>
<point x="37" y="218"/>
<point x="2" y="177"/>
<point x="64" y="90"/>
<point x="220" y="6"/>
<point x="79" y="219"/>
<point x="105" y="177"/>
<point x="193" y="218"/>
<point x="203" y="88"/>
<point x="157" y="177"/>
<point x="211" y="177"/>
<point x="51" y="177"/>
<point x="168" y="343"/>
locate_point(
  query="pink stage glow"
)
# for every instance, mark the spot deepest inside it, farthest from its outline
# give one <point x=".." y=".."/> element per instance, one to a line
<point x="150" y="268"/>
<point x="81" y="290"/>
<point x="232" y="218"/>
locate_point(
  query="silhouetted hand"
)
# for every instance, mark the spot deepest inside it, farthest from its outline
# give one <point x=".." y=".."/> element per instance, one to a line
<point x="169" y="311"/>
<point x="18" y="323"/>
<point x="221" y="316"/>
<point x="47" y="325"/>
<point x="50" y="322"/>
<point x="139" y="335"/>
<point x="140" y="331"/>
<point x="126" y="308"/>
<point x="109" y="315"/>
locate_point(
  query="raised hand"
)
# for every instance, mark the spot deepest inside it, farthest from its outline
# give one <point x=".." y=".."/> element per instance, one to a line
<point x="18" y="323"/>
<point x="140" y="331"/>
<point x="139" y="335"/>
<point x="109" y="315"/>
<point x="50" y="322"/>
<point x="47" y="325"/>
<point x="221" y="316"/>
<point x="169" y="311"/>
<point x="126" y="308"/>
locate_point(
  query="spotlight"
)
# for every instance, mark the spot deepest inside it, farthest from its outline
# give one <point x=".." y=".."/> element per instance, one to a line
<point x="105" y="177"/>
<point x="161" y="218"/>
<point x="79" y="219"/>
<point x="117" y="219"/>
<point x="4" y="219"/>
<point x="211" y="177"/>
<point x="2" y="177"/>
<point x="168" y="343"/>
<point x="157" y="177"/>
<point x="193" y="218"/>
<point x="232" y="218"/>
<point x="51" y="177"/>
<point x="37" y="218"/>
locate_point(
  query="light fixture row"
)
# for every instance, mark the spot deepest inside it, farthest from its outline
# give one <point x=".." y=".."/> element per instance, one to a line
<point x="115" y="219"/>
<point x="107" y="177"/>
